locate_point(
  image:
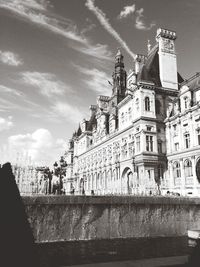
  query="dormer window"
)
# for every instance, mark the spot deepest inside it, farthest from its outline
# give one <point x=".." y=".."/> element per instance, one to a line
<point x="147" y="103"/>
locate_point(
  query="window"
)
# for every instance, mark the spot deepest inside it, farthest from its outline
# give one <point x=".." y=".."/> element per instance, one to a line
<point x="160" y="171"/>
<point x="187" y="140"/>
<point x="138" y="143"/>
<point x="158" y="106"/>
<point x="149" y="128"/>
<point x="149" y="143"/>
<point x="122" y="117"/>
<point x="147" y="103"/>
<point x="186" y="102"/>
<point x="198" y="136"/>
<point x="176" y="146"/>
<point x="137" y="103"/>
<point x="188" y="168"/>
<point x="159" y="146"/>
<point x="176" y="170"/>
<point x="175" y="129"/>
<point x="130" y="113"/>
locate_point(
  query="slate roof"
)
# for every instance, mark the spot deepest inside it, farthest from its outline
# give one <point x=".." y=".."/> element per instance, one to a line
<point x="150" y="70"/>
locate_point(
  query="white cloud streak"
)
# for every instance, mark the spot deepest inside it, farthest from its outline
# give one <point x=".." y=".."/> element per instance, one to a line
<point x="47" y="83"/>
<point x="36" y="12"/>
<point x="39" y="13"/>
<point x="101" y="16"/>
<point x="10" y="58"/>
<point x="69" y="112"/>
<point x="96" y="80"/>
<point x="127" y="10"/>
<point x="10" y="91"/>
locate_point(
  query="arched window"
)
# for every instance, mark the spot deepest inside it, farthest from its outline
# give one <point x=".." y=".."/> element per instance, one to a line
<point x="176" y="170"/>
<point x="188" y="168"/>
<point x="147" y="103"/>
<point x="158" y="106"/>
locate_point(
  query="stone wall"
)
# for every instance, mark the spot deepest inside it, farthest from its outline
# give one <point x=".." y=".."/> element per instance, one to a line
<point x="70" y="218"/>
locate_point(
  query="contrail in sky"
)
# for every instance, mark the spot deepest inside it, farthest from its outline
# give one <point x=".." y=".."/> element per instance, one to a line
<point x="101" y="16"/>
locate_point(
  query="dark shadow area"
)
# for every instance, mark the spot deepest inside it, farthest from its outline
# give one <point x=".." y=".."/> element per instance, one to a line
<point x="17" y="241"/>
<point x="194" y="259"/>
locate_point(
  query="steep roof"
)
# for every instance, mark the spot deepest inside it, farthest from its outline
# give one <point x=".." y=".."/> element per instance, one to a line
<point x="194" y="82"/>
<point x="150" y="70"/>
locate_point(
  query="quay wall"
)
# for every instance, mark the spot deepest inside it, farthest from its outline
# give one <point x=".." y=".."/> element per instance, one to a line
<point x="72" y="218"/>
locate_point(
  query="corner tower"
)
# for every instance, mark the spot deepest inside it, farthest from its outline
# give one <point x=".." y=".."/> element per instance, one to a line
<point x="119" y="79"/>
<point x="167" y="58"/>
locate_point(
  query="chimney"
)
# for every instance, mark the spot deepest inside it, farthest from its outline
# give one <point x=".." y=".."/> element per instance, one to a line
<point x="167" y="58"/>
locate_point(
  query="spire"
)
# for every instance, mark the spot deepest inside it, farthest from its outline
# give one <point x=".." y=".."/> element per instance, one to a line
<point x="119" y="59"/>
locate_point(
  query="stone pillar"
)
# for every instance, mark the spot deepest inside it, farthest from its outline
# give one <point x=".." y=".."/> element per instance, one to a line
<point x="183" y="191"/>
<point x="195" y="181"/>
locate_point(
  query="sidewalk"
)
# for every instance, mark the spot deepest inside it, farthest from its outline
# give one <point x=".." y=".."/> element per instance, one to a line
<point x="156" y="262"/>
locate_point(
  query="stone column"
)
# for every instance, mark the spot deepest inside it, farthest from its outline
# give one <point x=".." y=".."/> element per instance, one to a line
<point x="195" y="181"/>
<point x="183" y="189"/>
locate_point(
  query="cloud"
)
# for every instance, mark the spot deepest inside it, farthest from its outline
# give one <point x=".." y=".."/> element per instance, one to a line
<point x="11" y="91"/>
<point x="40" y="145"/>
<point x="98" y="51"/>
<point x="6" y="124"/>
<point x="139" y="21"/>
<point x="69" y="112"/>
<point x="127" y="10"/>
<point x="10" y="58"/>
<point x="101" y="16"/>
<point x="40" y="13"/>
<point x="46" y="82"/>
<point x="96" y="80"/>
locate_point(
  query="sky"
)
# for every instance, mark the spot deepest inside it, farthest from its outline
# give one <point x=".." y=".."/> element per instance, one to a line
<point x="57" y="56"/>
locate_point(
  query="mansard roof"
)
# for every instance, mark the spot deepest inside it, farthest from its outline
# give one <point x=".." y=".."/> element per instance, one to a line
<point x="92" y="122"/>
<point x="150" y="69"/>
<point x="194" y="82"/>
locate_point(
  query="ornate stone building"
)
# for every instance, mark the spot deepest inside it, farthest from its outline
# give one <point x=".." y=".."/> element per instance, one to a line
<point x="145" y="137"/>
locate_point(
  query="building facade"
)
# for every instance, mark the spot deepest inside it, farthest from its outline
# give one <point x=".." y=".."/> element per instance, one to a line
<point x="145" y="137"/>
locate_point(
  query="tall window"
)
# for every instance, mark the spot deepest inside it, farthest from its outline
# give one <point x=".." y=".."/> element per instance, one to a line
<point x="159" y="146"/>
<point x="149" y="143"/>
<point x="147" y="103"/>
<point x="186" y="102"/>
<point x="130" y="113"/>
<point x="188" y="168"/>
<point x="198" y="136"/>
<point x="122" y="117"/>
<point x="137" y="103"/>
<point x="176" y="170"/>
<point x="160" y="171"/>
<point x="187" y="140"/>
<point x="138" y="143"/>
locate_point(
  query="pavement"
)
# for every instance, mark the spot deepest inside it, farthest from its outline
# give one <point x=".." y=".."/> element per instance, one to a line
<point x="155" y="262"/>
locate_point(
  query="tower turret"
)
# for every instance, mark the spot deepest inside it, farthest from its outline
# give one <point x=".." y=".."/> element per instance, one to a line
<point x="119" y="78"/>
